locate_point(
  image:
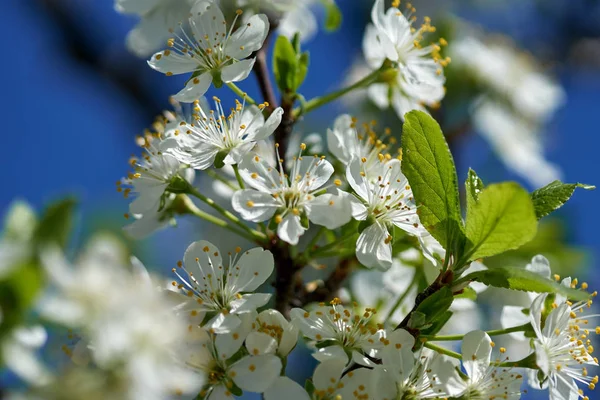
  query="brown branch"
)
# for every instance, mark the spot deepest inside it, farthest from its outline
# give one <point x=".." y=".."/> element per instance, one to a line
<point x="261" y="71"/>
<point x="286" y="276"/>
<point x="331" y="285"/>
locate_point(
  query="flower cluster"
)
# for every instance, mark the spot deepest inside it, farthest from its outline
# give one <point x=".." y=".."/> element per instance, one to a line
<point x="360" y="249"/>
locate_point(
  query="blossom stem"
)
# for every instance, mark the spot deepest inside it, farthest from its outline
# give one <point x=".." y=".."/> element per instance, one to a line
<point x="317" y="102"/>
<point x="238" y="176"/>
<point x="191" y="208"/>
<point x="443" y="350"/>
<point x="220" y="178"/>
<point x="497" y="332"/>
<point x="240" y="92"/>
<point x="256" y="235"/>
<point x="315" y="239"/>
<point x="398" y="302"/>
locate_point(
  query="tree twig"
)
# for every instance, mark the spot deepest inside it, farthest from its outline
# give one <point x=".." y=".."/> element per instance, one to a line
<point x="331" y="285"/>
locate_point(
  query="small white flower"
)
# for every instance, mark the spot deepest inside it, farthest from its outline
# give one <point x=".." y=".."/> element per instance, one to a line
<point x="213" y="52"/>
<point x="484" y="381"/>
<point x="292" y="199"/>
<point x="385" y="199"/>
<point x="417" y="78"/>
<point x="231" y="136"/>
<point x="157" y="17"/>
<point x="251" y="373"/>
<point x="215" y="287"/>
<point x="563" y="347"/>
<point x="328" y="382"/>
<point x="18" y="351"/>
<point x="272" y="333"/>
<point x="401" y="376"/>
<point x="345" y="141"/>
<point x="350" y="334"/>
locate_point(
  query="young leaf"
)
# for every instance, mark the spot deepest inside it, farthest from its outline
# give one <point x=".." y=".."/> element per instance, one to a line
<point x="302" y="69"/>
<point x="552" y="196"/>
<point x="502" y="219"/>
<point x="523" y="280"/>
<point x="284" y="64"/>
<point x="56" y="223"/>
<point x="473" y="186"/>
<point x="434" y="306"/>
<point x="429" y="167"/>
<point x="333" y="15"/>
<point x="20" y="222"/>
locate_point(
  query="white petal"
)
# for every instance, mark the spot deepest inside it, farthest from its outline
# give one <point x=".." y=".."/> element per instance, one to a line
<point x="311" y="324"/>
<point x="269" y="126"/>
<point x="205" y="258"/>
<point x="194" y="89"/>
<point x="379" y="94"/>
<point x="220" y="393"/>
<point x="513" y="316"/>
<point x="540" y="265"/>
<point x="285" y="388"/>
<point x="147" y="224"/>
<point x="172" y="63"/>
<point x="384" y="384"/>
<point x="238" y="71"/>
<point x="476" y="352"/>
<point x="258" y="343"/>
<point x="342" y="140"/>
<point x="331" y="353"/>
<point x="319" y="171"/>
<point x="207" y="19"/>
<point x="256" y="373"/>
<point x="541" y="358"/>
<point x="298" y="20"/>
<point x="259" y="174"/>
<point x="535" y="314"/>
<point x="290" y="229"/>
<point x="222" y="323"/>
<point x="329" y="210"/>
<point x="255" y="267"/>
<point x="374" y="54"/>
<point x="359" y="384"/>
<point x="328" y="373"/>
<point x="253" y="205"/>
<point x="203" y="156"/>
<point x="355" y="179"/>
<point x="372" y="249"/>
<point x="249" y="302"/>
<point x="248" y="38"/>
<point x="138" y="7"/>
<point x="229" y="343"/>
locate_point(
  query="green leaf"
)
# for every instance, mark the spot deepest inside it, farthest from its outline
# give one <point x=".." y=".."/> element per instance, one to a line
<point x="473" y="186"/>
<point x="552" y="196"/>
<point x="438" y="324"/>
<point x="429" y="167"/>
<point x="18" y="291"/>
<point x="20" y="222"/>
<point x="333" y="15"/>
<point x="502" y="219"/>
<point x="467" y="293"/>
<point x="523" y="280"/>
<point x="56" y="223"/>
<point x="285" y="64"/>
<point x="302" y="70"/>
<point x="435" y="306"/>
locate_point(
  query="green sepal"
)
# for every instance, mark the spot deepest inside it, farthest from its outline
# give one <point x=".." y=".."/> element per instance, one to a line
<point x="326" y="343"/>
<point x="333" y="15"/>
<point x="220" y="158"/>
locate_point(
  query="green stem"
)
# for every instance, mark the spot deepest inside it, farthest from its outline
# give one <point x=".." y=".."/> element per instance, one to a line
<point x="256" y="235"/>
<point x="496" y="332"/>
<point x="322" y="100"/>
<point x="401" y="298"/>
<point x="442" y="350"/>
<point x="315" y="239"/>
<point x="220" y="178"/>
<point x="238" y="176"/>
<point x="192" y="209"/>
<point x="240" y="92"/>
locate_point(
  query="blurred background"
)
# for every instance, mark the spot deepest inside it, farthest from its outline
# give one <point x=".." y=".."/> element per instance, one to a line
<point x="75" y="98"/>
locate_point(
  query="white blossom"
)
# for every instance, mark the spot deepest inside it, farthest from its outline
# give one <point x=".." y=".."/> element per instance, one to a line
<point x="329" y="383"/>
<point x="292" y="200"/>
<point x="215" y="287"/>
<point x="156" y="18"/>
<point x="350" y="334"/>
<point x="125" y="322"/>
<point x="385" y="199"/>
<point x="484" y="380"/>
<point x="272" y="333"/>
<point x="212" y="52"/>
<point x="563" y="348"/>
<point x="18" y="351"/>
<point x="252" y="373"/>
<point x="417" y="77"/>
<point x="214" y="133"/>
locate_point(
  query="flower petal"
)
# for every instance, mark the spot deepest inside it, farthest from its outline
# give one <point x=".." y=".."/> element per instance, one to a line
<point x="248" y="38"/>
<point x="223" y="323"/>
<point x="249" y="302"/>
<point x="329" y="210"/>
<point x="476" y="353"/>
<point x="256" y="373"/>
<point x="285" y="388"/>
<point x="258" y="343"/>
<point x="290" y="229"/>
<point x="269" y="126"/>
<point x="228" y="344"/>
<point x="328" y="373"/>
<point x="253" y="205"/>
<point x="372" y="248"/>
<point x="254" y="267"/>
<point x="194" y="88"/>
<point x="355" y="179"/>
<point x="238" y="71"/>
<point x="207" y="260"/>
<point x="172" y="63"/>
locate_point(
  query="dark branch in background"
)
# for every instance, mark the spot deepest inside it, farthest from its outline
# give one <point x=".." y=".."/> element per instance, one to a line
<point x="286" y="275"/>
<point x="261" y="71"/>
<point x="331" y="285"/>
